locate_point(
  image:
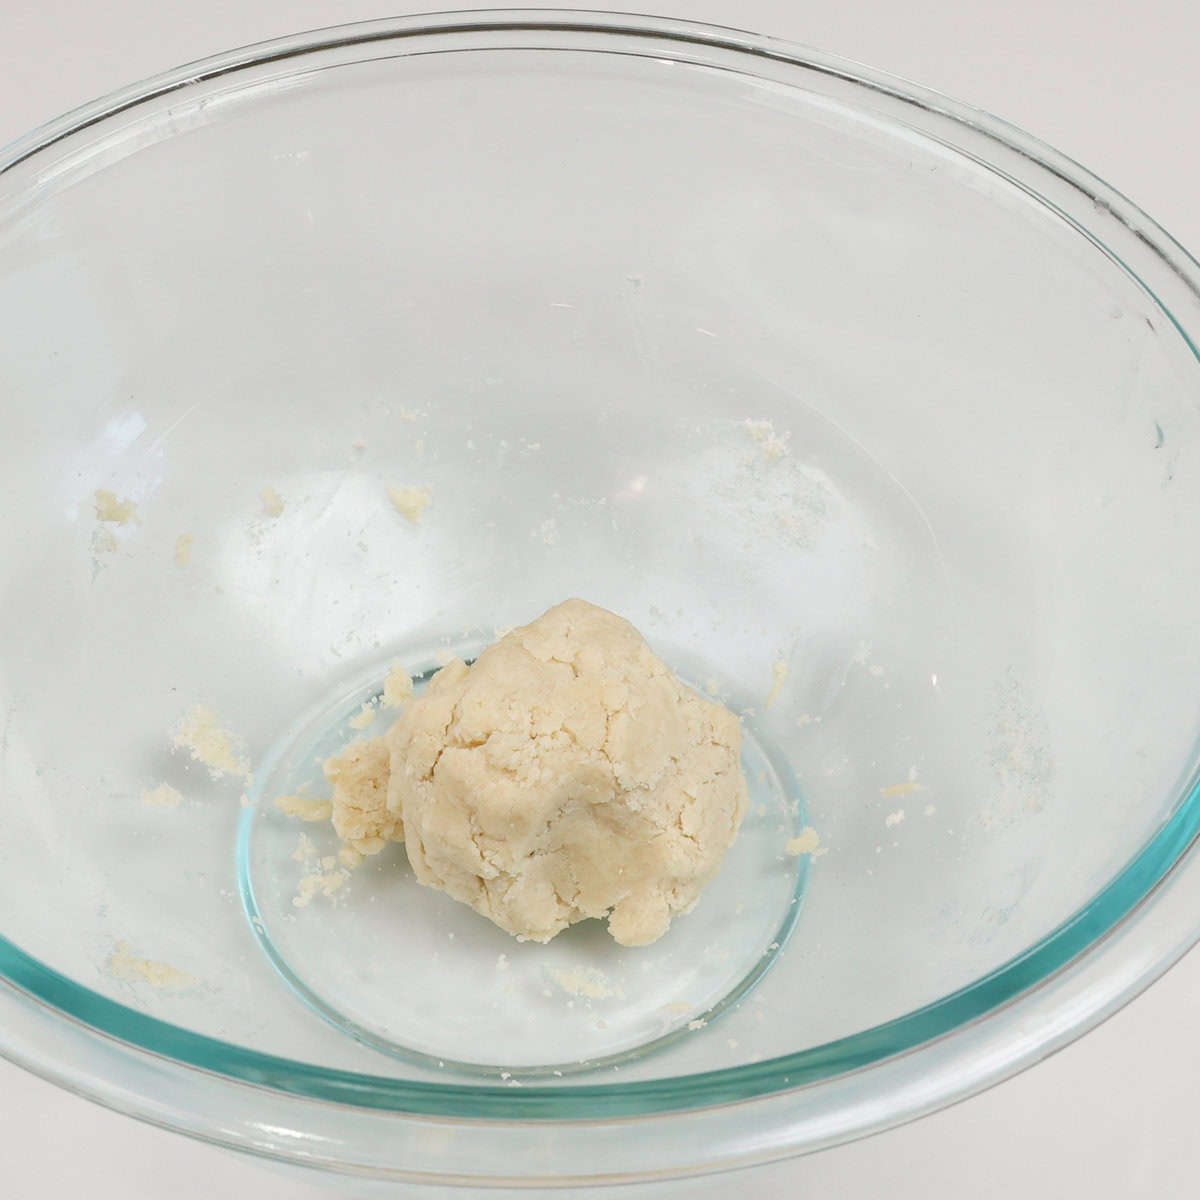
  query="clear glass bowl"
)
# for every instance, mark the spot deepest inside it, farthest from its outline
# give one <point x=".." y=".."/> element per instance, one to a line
<point x="818" y="377"/>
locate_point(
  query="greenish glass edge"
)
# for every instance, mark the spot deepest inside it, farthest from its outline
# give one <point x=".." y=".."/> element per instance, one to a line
<point x="600" y="1101"/>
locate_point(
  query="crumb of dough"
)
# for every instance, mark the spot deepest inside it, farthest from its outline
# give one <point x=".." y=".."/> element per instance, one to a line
<point x="901" y="789"/>
<point x="397" y="687"/>
<point x="319" y="883"/>
<point x="359" y="808"/>
<point x="200" y="733"/>
<point x="272" y="502"/>
<point x="305" y="808"/>
<point x="364" y="716"/>
<point x="183" y="549"/>
<point x="774" y="446"/>
<point x="567" y="774"/>
<point x="930" y="810"/>
<point x="677" y="1007"/>
<point x="124" y="964"/>
<point x="109" y="507"/>
<point x="582" y="981"/>
<point x="711" y="686"/>
<point x="163" y="796"/>
<point x="104" y="541"/>
<point x="698" y="1023"/>
<point x="809" y="842"/>
<point x="780" y="671"/>
<point x="894" y="818"/>
<point x="411" y="502"/>
<point x="348" y="856"/>
<point x="502" y="963"/>
<point x="305" y="849"/>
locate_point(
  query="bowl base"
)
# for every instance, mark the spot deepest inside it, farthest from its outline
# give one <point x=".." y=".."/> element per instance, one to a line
<point x="411" y="972"/>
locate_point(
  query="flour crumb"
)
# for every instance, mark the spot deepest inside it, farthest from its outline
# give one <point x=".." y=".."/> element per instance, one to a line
<point x="698" y="1023"/>
<point x="163" y="796"/>
<point x="711" y="686"/>
<point x="199" y="732"/>
<point x="582" y="981"/>
<point x="112" y="509"/>
<point x="780" y="671"/>
<point x="319" y="883"/>
<point x="305" y="851"/>
<point x="104" y="541"/>
<point x="183" y="549"/>
<point x="358" y="445"/>
<point x="411" y="502"/>
<point x="365" y="715"/>
<point x="894" y="818"/>
<point x="930" y="810"/>
<point x="124" y="964"/>
<point x="272" y="502"/>
<point x="305" y="808"/>
<point x="676" y="1008"/>
<point x="350" y="856"/>
<point x="808" y="842"/>
<point x="547" y="532"/>
<point x="397" y="687"/>
<point x="502" y="963"/>
<point x="901" y="789"/>
<point x="774" y="446"/>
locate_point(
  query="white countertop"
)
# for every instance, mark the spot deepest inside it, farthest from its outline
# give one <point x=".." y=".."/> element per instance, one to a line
<point x="1114" y="86"/>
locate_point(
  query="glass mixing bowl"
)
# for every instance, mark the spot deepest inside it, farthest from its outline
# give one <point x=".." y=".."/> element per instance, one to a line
<point x="878" y="417"/>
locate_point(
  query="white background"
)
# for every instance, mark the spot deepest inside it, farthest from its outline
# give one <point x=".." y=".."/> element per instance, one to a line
<point x="1114" y="85"/>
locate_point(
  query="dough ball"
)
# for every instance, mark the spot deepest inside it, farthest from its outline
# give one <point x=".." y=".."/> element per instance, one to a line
<point x="566" y="774"/>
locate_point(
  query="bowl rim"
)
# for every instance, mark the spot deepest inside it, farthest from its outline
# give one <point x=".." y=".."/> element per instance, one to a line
<point x="1068" y="957"/>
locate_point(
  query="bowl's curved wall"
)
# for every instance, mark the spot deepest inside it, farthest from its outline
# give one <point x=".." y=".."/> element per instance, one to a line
<point x="784" y="361"/>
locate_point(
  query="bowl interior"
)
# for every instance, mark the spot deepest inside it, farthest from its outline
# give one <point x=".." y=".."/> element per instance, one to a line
<point x="811" y="398"/>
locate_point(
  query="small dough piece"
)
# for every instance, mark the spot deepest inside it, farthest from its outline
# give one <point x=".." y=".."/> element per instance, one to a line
<point x="397" y="687"/>
<point x="183" y="549"/>
<point x="361" y="815"/>
<point x="809" y="842"/>
<point x="162" y="796"/>
<point x="304" y="808"/>
<point x="201" y="734"/>
<point x="365" y="716"/>
<point x="123" y="963"/>
<point x="111" y="508"/>
<point x="273" y="503"/>
<point x="566" y="774"/>
<point x="411" y="502"/>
